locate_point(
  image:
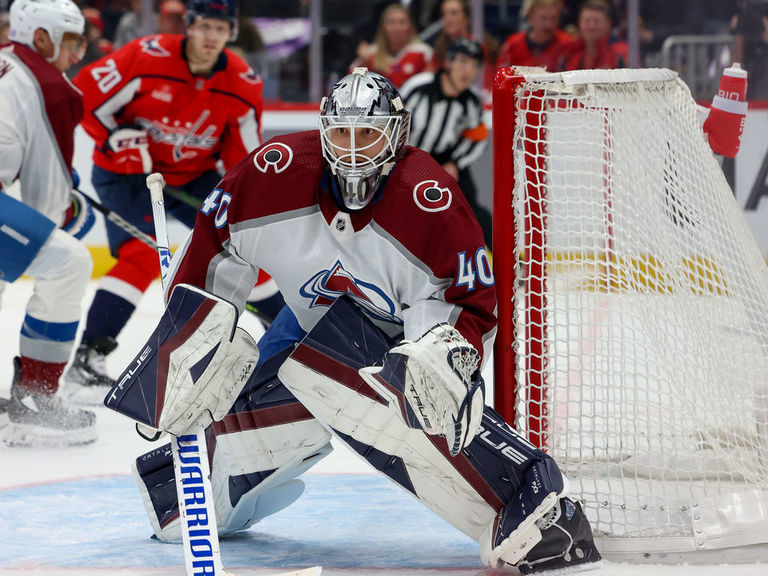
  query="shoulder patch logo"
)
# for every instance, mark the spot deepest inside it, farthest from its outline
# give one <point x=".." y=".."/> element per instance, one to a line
<point x="276" y="156"/>
<point x="430" y="197"/>
<point x="152" y="46"/>
<point x="250" y="76"/>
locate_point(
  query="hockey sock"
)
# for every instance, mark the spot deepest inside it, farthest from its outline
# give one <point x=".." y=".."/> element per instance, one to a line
<point x="107" y="316"/>
<point x="121" y="290"/>
<point x="41" y="377"/>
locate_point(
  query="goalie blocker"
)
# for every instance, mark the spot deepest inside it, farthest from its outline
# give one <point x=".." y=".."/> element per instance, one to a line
<point x="378" y="399"/>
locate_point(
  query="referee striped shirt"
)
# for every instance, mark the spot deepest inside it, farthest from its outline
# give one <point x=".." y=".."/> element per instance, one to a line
<point x="450" y="129"/>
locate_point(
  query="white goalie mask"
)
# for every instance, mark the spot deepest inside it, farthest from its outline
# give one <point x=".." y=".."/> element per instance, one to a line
<point x="364" y="130"/>
<point x="56" y="17"/>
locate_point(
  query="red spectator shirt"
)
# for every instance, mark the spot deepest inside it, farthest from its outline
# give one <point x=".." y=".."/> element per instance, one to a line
<point x="608" y="55"/>
<point x="192" y="121"/>
<point x="519" y="51"/>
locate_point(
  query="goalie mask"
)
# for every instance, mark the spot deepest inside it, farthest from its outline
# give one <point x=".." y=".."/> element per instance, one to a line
<point x="56" y="17"/>
<point x="364" y="131"/>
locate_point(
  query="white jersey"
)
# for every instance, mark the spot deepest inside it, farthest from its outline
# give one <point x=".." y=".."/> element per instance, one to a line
<point x="38" y="114"/>
<point x="412" y="258"/>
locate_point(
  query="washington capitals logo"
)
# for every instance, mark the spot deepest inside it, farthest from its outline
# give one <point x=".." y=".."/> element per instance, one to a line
<point x="152" y="46"/>
<point x="325" y="286"/>
<point x="250" y="76"/>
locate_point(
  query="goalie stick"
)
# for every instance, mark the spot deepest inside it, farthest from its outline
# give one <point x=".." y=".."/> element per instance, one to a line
<point x="121" y="222"/>
<point x="194" y="443"/>
<point x="207" y="539"/>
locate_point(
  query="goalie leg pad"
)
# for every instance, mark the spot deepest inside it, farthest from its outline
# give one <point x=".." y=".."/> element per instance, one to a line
<point x="258" y="450"/>
<point x="499" y="472"/>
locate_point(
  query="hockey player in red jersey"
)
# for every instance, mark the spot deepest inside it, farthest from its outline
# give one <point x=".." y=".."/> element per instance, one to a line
<point x="178" y="105"/>
<point x="390" y="310"/>
<point x="41" y="228"/>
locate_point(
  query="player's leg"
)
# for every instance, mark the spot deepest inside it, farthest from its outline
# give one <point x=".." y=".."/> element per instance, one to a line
<point x="120" y="290"/>
<point x="258" y="450"/>
<point x="37" y="416"/>
<point x="499" y="490"/>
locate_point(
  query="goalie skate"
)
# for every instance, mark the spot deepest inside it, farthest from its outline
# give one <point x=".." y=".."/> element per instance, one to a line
<point x="87" y="381"/>
<point x="566" y="542"/>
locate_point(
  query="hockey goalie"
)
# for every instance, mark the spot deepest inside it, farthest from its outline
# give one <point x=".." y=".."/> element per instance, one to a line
<point x="390" y="308"/>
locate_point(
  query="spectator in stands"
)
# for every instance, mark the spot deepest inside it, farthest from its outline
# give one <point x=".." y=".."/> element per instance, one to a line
<point x="171" y="20"/>
<point x="396" y="52"/>
<point x="543" y="44"/>
<point x="456" y="17"/>
<point x="447" y="119"/>
<point x="129" y="26"/>
<point x="595" y="47"/>
<point x="751" y="46"/>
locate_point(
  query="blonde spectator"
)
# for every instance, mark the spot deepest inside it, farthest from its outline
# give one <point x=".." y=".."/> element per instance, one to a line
<point x="594" y="48"/>
<point x="543" y="43"/>
<point x="396" y="52"/>
<point x="456" y="17"/>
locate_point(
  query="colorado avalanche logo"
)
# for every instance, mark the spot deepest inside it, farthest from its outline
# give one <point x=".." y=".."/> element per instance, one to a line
<point x="430" y="197"/>
<point x="152" y="46"/>
<point x="277" y="156"/>
<point x="327" y="285"/>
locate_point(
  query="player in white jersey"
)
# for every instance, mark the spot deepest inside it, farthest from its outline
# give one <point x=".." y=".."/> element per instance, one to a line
<point x="41" y="225"/>
<point x="374" y="244"/>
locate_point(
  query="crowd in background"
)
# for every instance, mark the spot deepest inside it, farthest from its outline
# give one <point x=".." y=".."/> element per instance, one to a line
<point x="402" y="39"/>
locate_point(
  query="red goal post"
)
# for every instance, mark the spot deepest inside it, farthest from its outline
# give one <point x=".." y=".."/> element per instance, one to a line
<point x="633" y="311"/>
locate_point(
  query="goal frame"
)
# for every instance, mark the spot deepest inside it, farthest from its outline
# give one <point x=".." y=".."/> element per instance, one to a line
<point x="506" y="362"/>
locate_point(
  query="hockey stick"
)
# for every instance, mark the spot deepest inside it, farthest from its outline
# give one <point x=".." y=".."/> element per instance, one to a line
<point x="203" y="552"/>
<point x="119" y="221"/>
<point x="195" y="449"/>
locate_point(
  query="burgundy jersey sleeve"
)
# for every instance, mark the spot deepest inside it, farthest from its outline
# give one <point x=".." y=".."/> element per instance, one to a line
<point x="434" y="223"/>
<point x="254" y="190"/>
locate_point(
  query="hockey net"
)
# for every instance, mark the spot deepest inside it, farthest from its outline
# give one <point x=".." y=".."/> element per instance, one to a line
<point x="633" y="310"/>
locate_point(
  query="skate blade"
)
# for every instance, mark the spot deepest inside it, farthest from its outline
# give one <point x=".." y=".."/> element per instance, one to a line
<point x="29" y="436"/>
<point x="566" y="570"/>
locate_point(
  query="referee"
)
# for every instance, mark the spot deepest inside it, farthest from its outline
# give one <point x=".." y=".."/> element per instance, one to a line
<point x="447" y="119"/>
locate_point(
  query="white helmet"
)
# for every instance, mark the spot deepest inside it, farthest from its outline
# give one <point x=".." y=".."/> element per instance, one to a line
<point x="56" y="17"/>
<point x="366" y="100"/>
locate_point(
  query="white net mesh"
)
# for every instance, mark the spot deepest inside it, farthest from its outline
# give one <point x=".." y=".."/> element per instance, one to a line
<point x="642" y="339"/>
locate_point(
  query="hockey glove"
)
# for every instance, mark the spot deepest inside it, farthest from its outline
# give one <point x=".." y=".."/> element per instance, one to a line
<point x="443" y="385"/>
<point x="79" y="217"/>
<point x="129" y="148"/>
